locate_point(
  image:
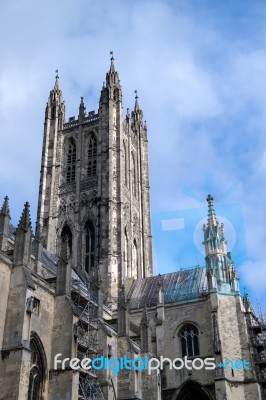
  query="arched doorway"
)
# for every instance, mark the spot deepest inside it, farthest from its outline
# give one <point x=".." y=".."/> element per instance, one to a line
<point x="191" y="390"/>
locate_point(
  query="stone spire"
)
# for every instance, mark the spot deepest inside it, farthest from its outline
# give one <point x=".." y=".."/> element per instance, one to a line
<point x="22" y="247"/>
<point x="137" y="117"/>
<point x="4" y="224"/>
<point x="212" y="219"/>
<point x="221" y="273"/>
<point x="56" y="84"/>
<point x="214" y="240"/>
<point x="112" y="77"/>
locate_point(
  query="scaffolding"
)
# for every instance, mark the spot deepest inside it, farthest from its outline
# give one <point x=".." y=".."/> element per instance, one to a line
<point x="85" y="305"/>
<point x="257" y="333"/>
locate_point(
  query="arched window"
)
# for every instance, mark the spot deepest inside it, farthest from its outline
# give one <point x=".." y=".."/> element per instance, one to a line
<point x="71" y="161"/>
<point x="36" y="377"/>
<point x="134" y="269"/>
<point x="134" y="176"/>
<point x="189" y="336"/>
<point x="66" y="241"/>
<point x="92" y="156"/>
<point x="89" y="247"/>
<point x="125" y="163"/>
<point x="126" y="254"/>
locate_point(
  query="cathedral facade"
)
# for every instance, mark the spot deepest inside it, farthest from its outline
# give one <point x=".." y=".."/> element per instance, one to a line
<point x="82" y="288"/>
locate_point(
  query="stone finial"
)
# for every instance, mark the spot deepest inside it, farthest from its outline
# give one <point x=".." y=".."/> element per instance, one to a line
<point x="56" y="84"/>
<point x="122" y="298"/>
<point x="160" y="298"/>
<point x="145" y="319"/>
<point x="5" y="207"/>
<point x="4" y="224"/>
<point x="25" y="221"/>
<point x="38" y="235"/>
<point x="123" y="313"/>
<point x="136" y="108"/>
<point x="22" y="246"/>
<point x="112" y="65"/>
<point x="82" y="108"/>
<point x="145" y="332"/>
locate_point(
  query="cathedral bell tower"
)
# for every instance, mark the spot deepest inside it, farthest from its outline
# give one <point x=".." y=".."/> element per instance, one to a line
<point x="94" y="188"/>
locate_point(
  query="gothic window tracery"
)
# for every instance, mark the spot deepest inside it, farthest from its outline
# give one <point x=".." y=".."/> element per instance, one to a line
<point x="92" y="156"/>
<point x="71" y="161"/>
<point x="189" y="340"/>
<point x="89" y="247"/>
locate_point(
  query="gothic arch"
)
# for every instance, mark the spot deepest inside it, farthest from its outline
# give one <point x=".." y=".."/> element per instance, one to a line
<point x="38" y="368"/>
<point x="191" y="390"/>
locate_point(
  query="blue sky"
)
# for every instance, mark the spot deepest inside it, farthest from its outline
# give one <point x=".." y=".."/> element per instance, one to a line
<point x="200" y="71"/>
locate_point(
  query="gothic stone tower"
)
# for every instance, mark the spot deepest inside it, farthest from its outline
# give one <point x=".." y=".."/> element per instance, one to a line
<point x="94" y="188"/>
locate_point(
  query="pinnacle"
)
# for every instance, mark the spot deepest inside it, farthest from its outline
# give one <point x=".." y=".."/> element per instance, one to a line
<point x="5" y="207"/>
<point x="145" y="318"/>
<point x="56" y="85"/>
<point x="136" y="108"/>
<point x="38" y="233"/>
<point x="212" y="219"/>
<point x="25" y="221"/>
<point x="122" y="300"/>
<point x="112" y="66"/>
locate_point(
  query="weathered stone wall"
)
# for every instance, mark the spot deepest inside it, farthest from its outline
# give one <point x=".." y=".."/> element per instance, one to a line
<point x="5" y="272"/>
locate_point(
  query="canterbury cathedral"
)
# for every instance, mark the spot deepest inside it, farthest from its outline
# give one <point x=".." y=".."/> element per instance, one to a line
<point x="81" y="288"/>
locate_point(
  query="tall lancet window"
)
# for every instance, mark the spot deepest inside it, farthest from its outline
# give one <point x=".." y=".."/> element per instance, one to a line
<point x="92" y="156"/>
<point x="134" y="269"/>
<point x="71" y="161"/>
<point x="125" y="163"/>
<point x="134" y="176"/>
<point x="89" y="247"/>
<point x="66" y="240"/>
<point x="126" y="255"/>
<point x="36" y="377"/>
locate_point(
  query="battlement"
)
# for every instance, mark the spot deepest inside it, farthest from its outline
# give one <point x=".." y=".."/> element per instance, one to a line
<point x="89" y="117"/>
